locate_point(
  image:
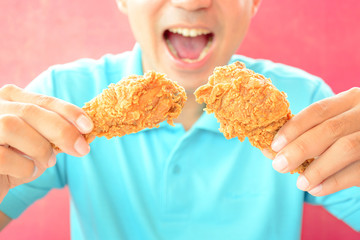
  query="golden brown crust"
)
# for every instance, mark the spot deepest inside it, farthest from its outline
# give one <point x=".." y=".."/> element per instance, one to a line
<point x="134" y="103"/>
<point x="246" y="104"/>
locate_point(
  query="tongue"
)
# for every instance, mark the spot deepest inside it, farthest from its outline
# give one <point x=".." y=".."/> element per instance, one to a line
<point x="188" y="47"/>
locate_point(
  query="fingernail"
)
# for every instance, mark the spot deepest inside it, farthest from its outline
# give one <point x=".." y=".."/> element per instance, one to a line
<point x="278" y="143"/>
<point x="81" y="146"/>
<point x="52" y="160"/>
<point x="35" y="171"/>
<point x="302" y="183"/>
<point x="316" y="190"/>
<point x="84" y="123"/>
<point x="280" y="163"/>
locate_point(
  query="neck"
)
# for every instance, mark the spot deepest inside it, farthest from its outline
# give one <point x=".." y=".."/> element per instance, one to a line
<point x="190" y="112"/>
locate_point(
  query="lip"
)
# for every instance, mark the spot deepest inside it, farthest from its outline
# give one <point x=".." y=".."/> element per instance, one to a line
<point x="189" y="65"/>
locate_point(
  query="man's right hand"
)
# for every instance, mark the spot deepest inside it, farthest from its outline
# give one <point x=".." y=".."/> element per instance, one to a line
<point x="29" y="124"/>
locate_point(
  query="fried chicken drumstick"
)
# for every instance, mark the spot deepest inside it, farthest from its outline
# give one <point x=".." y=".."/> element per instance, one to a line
<point x="134" y="103"/>
<point x="247" y="105"/>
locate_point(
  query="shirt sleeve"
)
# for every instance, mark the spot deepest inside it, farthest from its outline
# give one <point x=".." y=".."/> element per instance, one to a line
<point x="322" y="91"/>
<point x="22" y="196"/>
<point x="344" y="205"/>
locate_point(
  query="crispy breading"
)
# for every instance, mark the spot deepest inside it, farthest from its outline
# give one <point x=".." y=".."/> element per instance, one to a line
<point x="246" y="104"/>
<point x="135" y="103"/>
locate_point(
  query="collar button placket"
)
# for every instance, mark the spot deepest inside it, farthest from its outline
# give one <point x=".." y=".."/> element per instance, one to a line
<point x="176" y="183"/>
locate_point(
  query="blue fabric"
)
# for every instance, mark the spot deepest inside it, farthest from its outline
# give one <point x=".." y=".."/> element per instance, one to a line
<point x="168" y="183"/>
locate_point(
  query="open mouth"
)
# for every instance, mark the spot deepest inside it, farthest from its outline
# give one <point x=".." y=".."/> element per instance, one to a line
<point x="188" y="44"/>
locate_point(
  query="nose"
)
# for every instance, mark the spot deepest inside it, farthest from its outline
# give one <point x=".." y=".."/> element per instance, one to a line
<point x="192" y="5"/>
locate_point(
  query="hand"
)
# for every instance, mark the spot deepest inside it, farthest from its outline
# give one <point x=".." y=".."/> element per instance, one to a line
<point x="29" y="124"/>
<point x="329" y="131"/>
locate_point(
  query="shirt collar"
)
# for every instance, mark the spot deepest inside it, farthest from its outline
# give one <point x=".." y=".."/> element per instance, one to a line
<point x="207" y="122"/>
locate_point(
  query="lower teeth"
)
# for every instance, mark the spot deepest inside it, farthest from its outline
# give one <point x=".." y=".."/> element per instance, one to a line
<point x="202" y="54"/>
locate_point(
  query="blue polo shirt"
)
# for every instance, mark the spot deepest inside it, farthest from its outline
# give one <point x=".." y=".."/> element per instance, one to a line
<point x="168" y="183"/>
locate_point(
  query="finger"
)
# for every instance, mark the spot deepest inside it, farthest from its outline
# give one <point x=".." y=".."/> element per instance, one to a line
<point x="50" y="125"/>
<point x="268" y="153"/>
<point x="346" y="178"/>
<point x="70" y="112"/>
<point x="90" y="138"/>
<point x="22" y="137"/>
<point x="325" y="134"/>
<point x="15" y="165"/>
<point x="313" y="115"/>
<point x="340" y="155"/>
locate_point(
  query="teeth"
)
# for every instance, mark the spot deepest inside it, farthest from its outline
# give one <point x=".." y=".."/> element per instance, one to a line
<point x="187" y="32"/>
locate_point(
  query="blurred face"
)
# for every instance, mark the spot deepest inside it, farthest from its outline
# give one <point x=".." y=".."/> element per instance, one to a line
<point x="187" y="39"/>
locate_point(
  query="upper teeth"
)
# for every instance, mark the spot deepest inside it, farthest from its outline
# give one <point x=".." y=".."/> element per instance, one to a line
<point x="186" y="32"/>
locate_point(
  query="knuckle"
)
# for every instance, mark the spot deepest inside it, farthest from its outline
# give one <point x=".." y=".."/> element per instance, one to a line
<point x="44" y="100"/>
<point x="334" y="127"/>
<point x="335" y="183"/>
<point x="348" y="144"/>
<point x="314" y="175"/>
<point x="354" y="94"/>
<point x="320" y="108"/>
<point x="8" y="123"/>
<point x="354" y="91"/>
<point x="8" y="88"/>
<point x="28" y="109"/>
<point x="301" y="147"/>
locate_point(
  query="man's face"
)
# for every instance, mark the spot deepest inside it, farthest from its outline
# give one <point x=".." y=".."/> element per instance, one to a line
<point x="187" y="39"/>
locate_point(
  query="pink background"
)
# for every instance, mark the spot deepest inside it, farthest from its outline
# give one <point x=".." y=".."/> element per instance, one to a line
<point x="322" y="37"/>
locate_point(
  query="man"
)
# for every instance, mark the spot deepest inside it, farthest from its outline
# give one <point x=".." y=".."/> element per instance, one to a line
<point x="187" y="181"/>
